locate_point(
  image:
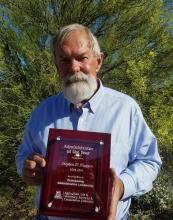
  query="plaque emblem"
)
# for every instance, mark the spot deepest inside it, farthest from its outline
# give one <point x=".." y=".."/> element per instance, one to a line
<point x="58" y="195"/>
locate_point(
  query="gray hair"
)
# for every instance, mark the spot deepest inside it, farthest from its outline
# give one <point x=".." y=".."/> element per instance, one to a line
<point x="64" y="31"/>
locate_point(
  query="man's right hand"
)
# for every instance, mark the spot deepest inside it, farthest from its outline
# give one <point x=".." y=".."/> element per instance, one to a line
<point x="33" y="169"/>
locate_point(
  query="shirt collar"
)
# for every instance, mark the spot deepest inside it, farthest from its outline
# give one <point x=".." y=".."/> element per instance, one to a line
<point x="97" y="97"/>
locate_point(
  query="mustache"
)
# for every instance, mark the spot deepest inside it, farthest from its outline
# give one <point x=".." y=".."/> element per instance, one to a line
<point x="78" y="77"/>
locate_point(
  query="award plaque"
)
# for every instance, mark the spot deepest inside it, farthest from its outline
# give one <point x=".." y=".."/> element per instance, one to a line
<point x="76" y="176"/>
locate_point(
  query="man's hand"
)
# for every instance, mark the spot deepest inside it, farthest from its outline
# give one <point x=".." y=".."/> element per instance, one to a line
<point x="117" y="190"/>
<point x="33" y="169"/>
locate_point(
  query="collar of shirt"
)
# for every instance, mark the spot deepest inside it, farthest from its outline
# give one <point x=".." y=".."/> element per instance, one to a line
<point x="93" y="103"/>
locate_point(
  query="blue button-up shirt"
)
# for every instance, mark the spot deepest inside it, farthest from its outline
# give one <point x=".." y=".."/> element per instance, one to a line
<point x="134" y="153"/>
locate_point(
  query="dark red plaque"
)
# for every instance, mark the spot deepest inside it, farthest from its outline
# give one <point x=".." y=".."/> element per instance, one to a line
<point x="76" y="176"/>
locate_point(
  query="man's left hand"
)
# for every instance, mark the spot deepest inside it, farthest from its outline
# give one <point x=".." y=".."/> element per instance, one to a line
<point x="117" y="190"/>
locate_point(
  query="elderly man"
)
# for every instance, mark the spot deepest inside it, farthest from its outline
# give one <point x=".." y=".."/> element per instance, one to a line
<point x="85" y="104"/>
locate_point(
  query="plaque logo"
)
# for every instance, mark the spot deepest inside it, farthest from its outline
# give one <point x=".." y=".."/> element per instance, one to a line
<point x="58" y="195"/>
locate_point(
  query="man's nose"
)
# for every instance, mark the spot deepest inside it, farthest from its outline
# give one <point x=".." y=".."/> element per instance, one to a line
<point x="74" y="67"/>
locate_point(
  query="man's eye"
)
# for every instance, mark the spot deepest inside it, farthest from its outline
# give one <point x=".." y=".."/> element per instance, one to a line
<point x="82" y="58"/>
<point x="65" y="60"/>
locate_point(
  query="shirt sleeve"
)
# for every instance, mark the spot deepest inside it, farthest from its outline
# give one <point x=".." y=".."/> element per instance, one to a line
<point x="144" y="160"/>
<point x="27" y="147"/>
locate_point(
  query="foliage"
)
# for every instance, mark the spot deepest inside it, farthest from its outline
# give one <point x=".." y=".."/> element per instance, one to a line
<point x="161" y="197"/>
<point x="17" y="203"/>
<point x="136" y="37"/>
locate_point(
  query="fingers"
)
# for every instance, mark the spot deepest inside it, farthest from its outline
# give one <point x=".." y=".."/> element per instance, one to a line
<point x="112" y="176"/>
<point x="39" y="159"/>
<point x="117" y="184"/>
<point x="33" y="169"/>
<point x="35" y="181"/>
<point x="117" y="189"/>
<point x="113" y="200"/>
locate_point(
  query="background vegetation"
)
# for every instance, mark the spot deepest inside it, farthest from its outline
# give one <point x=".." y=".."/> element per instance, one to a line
<point x="136" y="37"/>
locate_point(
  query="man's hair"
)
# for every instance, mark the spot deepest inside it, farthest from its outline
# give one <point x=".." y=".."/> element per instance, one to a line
<point x="64" y="31"/>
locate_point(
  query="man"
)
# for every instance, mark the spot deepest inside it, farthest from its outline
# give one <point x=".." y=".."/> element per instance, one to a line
<point x="86" y="104"/>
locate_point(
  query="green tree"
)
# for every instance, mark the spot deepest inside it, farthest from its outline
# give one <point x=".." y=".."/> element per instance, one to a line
<point x="137" y="41"/>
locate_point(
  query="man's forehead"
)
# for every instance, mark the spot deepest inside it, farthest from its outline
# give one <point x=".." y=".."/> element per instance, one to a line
<point x="73" y="51"/>
<point x="79" y="37"/>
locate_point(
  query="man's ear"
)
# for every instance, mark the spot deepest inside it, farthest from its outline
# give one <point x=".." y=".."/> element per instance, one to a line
<point x="100" y="61"/>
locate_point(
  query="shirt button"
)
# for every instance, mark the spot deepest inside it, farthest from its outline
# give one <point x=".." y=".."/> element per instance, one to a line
<point x="81" y="119"/>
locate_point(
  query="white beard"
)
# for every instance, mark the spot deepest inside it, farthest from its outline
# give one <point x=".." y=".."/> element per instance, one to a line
<point x="79" y="87"/>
